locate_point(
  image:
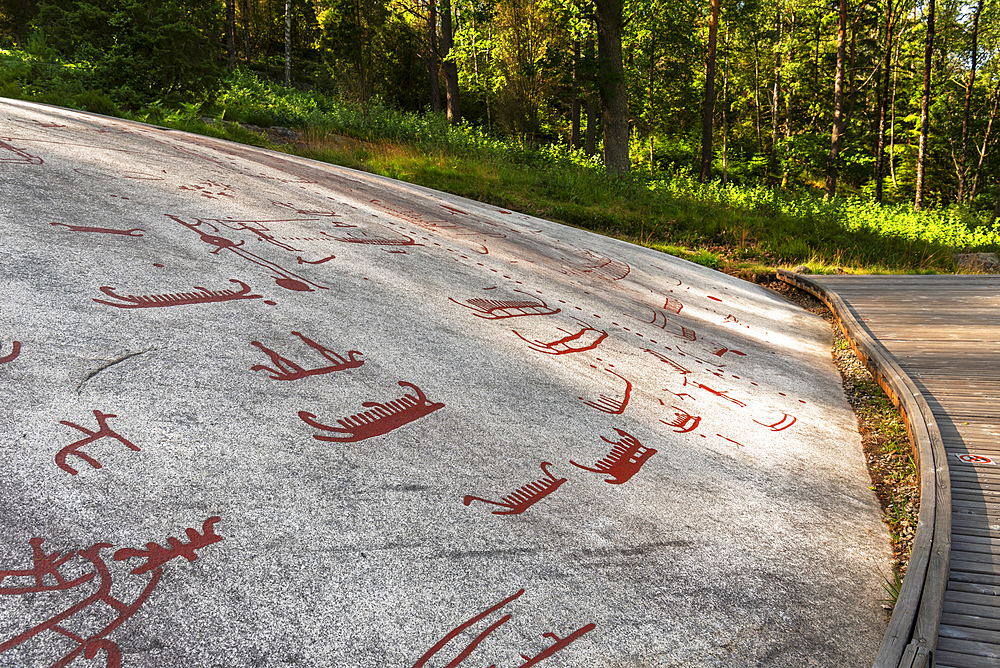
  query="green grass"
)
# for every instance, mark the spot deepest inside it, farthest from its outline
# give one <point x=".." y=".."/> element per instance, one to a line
<point x="739" y="229"/>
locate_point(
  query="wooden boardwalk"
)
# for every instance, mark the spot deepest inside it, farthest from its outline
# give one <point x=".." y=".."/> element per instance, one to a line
<point x="944" y="333"/>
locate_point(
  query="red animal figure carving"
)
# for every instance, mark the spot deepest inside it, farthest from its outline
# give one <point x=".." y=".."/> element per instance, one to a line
<point x="289" y="370"/>
<point x="609" y="404"/>
<point x="382" y="419"/>
<point x="559" y="644"/>
<point x="587" y="338"/>
<point x="104" y="431"/>
<point x="525" y="496"/>
<point x="135" y="232"/>
<point x="683" y="421"/>
<point x="284" y="278"/>
<point x="22" y="156"/>
<point x="15" y="351"/>
<point x="47" y="578"/>
<point x="499" y="309"/>
<point x="205" y="296"/>
<point x="624" y="461"/>
<point x="785" y="422"/>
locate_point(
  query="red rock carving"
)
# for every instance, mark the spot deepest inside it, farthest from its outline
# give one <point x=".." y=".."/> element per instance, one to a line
<point x="450" y="228"/>
<point x="673" y="305"/>
<point x="559" y="644"/>
<point x="719" y="351"/>
<point x="103" y="230"/>
<point x="666" y="360"/>
<point x="589" y="262"/>
<point x="16" y="350"/>
<point x="439" y="645"/>
<point x="573" y="343"/>
<point x="103" y="431"/>
<point x="180" y="299"/>
<point x="22" y="156"/>
<point x="377" y="241"/>
<point x="683" y="421"/>
<point x="382" y="419"/>
<point x="156" y="555"/>
<point x="499" y="309"/>
<point x="46" y="568"/>
<point x="785" y="422"/>
<point x="661" y="320"/>
<point x="624" y="461"/>
<point x="210" y="189"/>
<point x="721" y="394"/>
<point x="284" y="278"/>
<point x="525" y="496"/>
<point x="289" y="370"/>
<point x="324" y="260"/>
<point x="308" y="212"/>
<point x="609" y="404"/>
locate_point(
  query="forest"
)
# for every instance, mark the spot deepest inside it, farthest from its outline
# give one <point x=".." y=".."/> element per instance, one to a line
<point x="887" y="102"/>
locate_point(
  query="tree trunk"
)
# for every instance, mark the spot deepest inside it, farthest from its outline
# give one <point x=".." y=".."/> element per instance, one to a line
<point x="838" y="105"/>
<point x="963" y="156"/>
<point x="986" y="141"/>
<point x="450" y="67"/>
<point x="925" y="101"/>
<point x="574" y="113"/>
<point x="432" y="56"/>
<point x="883" y="103"/>
<point x="246" y="31"/>
<point x="231" y="32"/>
<point x="708" y="111"/>
<point x="590" y="142"/>
<point x="288" y="42"/>
<point x="772" y="162"/>
<point x="611" y="83"/>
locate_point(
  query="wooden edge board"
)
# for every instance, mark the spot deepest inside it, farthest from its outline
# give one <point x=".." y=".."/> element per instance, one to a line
<point x="916" y="617"/>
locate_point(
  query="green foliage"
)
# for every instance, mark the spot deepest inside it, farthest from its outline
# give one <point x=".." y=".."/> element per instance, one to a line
<point x="139" y="50"/>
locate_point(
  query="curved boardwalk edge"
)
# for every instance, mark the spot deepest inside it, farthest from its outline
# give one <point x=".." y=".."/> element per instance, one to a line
<point x="912" y="633"/>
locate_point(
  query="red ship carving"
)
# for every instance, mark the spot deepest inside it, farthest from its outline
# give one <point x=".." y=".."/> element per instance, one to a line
<point x="499" y="309"/>
<point x="22" y="156"/>
<point x="785" y="422"/>
<point x="382" y="419"/>
<point x="135" y="232"/>
<point x="289" y="370"/>
<point x="16" y="350"/>
<point x="587" y="338"/>
<point x="525" y="496"/>
<point x="205" y="296"/>
<point x="103" y="431"/>
<point x="44" y="576"/>
<point x="683" y="421"/>
<point x="669" y="362"/>
<point x="624" y="461"/>
<point x="610" y="404"/>
<point x="589" y="262"/>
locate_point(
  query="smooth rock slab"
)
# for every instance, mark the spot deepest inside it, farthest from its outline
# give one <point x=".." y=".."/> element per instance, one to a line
<point x="266" y="411"/>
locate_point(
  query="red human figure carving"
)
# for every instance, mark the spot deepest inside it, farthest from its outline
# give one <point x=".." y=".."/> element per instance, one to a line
<point x="205" y="296"/>
<point x="22" y="156"/>
<point x="525" y="496"/>
<point x="683" y="421"/>
<point x="104" y="431"/>
<point x="673" y="305"/>
<point x="156" y="555"/>
<point x="624" y="461"/>
<point x="439" y="645"/>
<point x="289" y="370"/>
<point x="669" y="362"/>
<point x="499" y="309"/>
<point x="609" y="404"/>
<point x="382" y="419"/>
<point x="46" y="566"/>
<point x="135" y="232"/>
<point x="284" y="278"/>
<point x="587" y="338"/>
<point x="16" y="350"/>
<point x="785" y="422"/>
